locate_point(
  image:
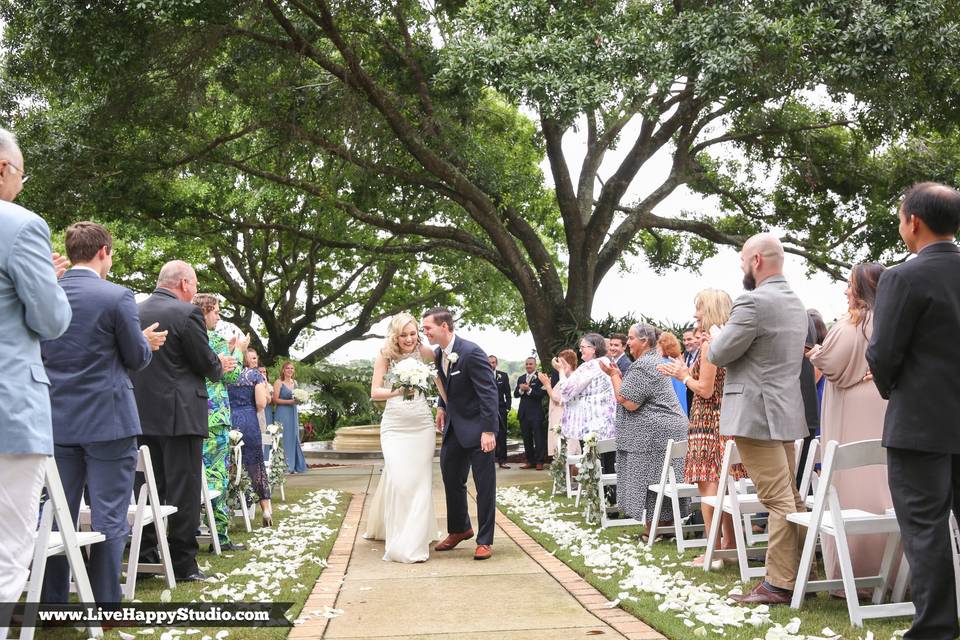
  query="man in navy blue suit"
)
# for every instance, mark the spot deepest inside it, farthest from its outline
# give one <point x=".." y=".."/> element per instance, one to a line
<point x="95" y="423"/>
<point x="469" y="422"/>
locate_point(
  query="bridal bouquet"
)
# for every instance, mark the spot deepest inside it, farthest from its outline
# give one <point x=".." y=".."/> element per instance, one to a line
<point x="411" y="375"/>
<point x="301" y="395"/>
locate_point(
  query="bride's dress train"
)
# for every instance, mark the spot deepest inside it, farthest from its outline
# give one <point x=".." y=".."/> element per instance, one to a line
<point x="402" y="512"/>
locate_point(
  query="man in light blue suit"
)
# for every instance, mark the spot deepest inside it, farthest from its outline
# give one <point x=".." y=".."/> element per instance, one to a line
<point x="95" y="421"/>
<point x="33" y="307"/>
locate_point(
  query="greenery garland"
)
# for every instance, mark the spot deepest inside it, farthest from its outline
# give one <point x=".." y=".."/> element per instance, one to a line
<point x="589" y="480"/>
<point x="558" y="467"/>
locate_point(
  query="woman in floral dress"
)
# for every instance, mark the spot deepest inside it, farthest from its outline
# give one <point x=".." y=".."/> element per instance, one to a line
<point x="216" y="448"/>
<point x="705" y="445"/>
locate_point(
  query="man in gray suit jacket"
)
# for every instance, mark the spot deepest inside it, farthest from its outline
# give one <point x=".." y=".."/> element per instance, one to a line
<point x="33" y="307"/>
<point x="761" y="347"/>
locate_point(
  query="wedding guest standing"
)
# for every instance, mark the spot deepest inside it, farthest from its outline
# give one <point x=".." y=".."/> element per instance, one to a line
<point x="555" y="408"/>
<point x="587" y="397"/>
<point x="648" y="414"/>
<point x="669" y="348"/>
<point x="216" y="447"/>
<point x="761" y="347"/>
<point x="853" y="410"/>
<point x="504" y="402"/>
<point x="915" y="368"/>
<point x="172" y="405"/>
<point x="247" y="398"/>
<point x="705" y="445"/>
<point x="617" y="352"/>
<point x="285" y="412"/>
<point x="530" y="413"/>
<point x="33" y="307"/>
<point x="95" y="422"/>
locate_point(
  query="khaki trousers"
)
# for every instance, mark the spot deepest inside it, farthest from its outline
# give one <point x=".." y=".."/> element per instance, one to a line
<point x="772" y="467"/>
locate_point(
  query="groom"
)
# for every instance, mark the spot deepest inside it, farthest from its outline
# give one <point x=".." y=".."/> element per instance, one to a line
<point x="469" y="422"/>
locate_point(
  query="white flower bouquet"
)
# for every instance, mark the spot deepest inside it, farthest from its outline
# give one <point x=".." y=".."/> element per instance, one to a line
<point x="301" y="396"/>
<point x="411" y="375"/>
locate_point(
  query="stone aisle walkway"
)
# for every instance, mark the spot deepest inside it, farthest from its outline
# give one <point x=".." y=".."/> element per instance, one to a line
<point x="522" y="592"/>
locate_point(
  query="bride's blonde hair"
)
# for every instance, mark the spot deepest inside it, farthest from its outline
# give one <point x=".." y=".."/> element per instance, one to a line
<point x="391" y="346"/>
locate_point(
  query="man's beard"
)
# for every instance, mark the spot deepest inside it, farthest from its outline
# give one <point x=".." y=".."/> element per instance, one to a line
<point x="749" y="281"/>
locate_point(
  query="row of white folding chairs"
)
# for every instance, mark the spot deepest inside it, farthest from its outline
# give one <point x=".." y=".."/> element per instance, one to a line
<point x="572" y="488"/>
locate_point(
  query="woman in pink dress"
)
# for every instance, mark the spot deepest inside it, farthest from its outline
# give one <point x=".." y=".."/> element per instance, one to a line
<point x="853" y="410"/>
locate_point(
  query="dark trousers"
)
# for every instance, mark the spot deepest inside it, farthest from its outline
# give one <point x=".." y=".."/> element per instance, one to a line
<point x="177" y="465"/>
<point x="534" y="432"/>
<point x="802" y="462"/>
<point x="925" y="487"/>
<point x="502" y="437"/>
<point x="455" y="463"/>
<point x="107" y="470"/>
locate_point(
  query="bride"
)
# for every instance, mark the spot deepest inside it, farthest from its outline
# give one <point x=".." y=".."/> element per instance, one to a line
<point x="402" y="511"/>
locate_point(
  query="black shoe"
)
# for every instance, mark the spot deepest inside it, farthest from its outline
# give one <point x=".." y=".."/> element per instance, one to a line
<point x="196" y="576"/>
<point x="150" y="557"/>
<point x="230" y="546"/>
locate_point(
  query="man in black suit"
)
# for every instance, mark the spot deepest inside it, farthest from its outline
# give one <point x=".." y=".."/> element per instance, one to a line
<point x="504" y="401"/>
<point x="616" y="351"/>
<point x="469" y="423"/>
<point x="691" y="351"/>
<point x="918" y="303"/>
<point x="172" y="403"/>
<point x="530" y="413"/>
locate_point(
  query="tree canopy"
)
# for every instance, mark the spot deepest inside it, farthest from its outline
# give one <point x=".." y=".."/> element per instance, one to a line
<point x="418" y="128"/>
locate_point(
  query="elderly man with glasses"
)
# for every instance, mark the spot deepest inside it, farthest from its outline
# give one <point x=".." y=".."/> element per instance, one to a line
<point x="33" y="307"/>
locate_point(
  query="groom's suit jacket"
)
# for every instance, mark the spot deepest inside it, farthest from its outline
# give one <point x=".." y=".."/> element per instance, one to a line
<point x="471" y="407"/>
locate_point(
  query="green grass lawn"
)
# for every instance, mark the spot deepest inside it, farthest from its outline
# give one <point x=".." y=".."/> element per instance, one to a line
<point x="817" y="613"/>
<point x="294" y="587"/>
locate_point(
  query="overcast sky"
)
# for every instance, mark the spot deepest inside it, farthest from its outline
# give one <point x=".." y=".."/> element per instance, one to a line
<point x="667" y="297"/>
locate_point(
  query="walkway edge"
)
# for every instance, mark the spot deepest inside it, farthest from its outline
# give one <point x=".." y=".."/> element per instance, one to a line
<point x="591" y="599"/>
<point x="327" y="589"/>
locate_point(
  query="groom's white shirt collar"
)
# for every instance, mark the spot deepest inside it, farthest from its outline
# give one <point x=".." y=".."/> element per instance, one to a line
<point x="449" y="348"/>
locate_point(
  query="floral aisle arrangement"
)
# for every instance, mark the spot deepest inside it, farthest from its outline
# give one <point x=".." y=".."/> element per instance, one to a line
<point x="277" y="470"/>
<point x="588" y="477"/>
<point x="558" y="466"/>
<point x="704" y="609"/>
<point x="239" y="484"/>
<point x="411" y="375"/>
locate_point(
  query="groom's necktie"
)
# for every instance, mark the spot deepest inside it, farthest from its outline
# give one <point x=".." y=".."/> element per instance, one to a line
<point x="445" y="363"/>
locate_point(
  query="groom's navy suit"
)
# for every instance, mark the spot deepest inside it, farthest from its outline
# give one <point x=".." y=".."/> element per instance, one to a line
<point x="470" y="410"/>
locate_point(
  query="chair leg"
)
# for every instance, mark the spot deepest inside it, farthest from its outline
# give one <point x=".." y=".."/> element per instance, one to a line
<point x="714" y="532"/>
<point x="886" y="567"/>
<point x="846" y="571"/>
<point x="133" y="560"/>
<point x="677" y="524"/>
<point x="655" y="519"/>
<point x="806" y="564"/>
<point x="741" y="541"/>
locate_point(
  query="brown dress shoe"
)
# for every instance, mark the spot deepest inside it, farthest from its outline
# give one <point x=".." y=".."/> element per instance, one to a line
<point x="765" y="593"/>
<point x="453" y="540"/>
<point x="539" y="467"/>
<point x="483" y="552"/>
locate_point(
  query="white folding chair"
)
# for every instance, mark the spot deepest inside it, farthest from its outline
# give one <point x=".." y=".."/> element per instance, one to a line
<point x="675" y="491"/>
<point x="145" y="511"/>
<point x="572" y="489"/>
<point x="609" y="480"/>
<point x="268" y="441"/>
<point x="66" y="541"/>
<point x="733" y="497"/>
<point x="827" y="518"/>
<point x="206" y="501"/>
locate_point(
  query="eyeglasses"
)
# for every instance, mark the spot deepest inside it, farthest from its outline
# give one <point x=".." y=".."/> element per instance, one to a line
<point x="23" y="177"/>
<point x="587" y="346"/>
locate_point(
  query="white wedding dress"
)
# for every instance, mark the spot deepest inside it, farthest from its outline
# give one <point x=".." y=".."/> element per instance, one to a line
<point x="402" y="512"/>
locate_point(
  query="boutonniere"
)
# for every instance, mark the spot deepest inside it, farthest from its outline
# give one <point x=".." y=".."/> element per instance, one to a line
<point x="453" y="357"/>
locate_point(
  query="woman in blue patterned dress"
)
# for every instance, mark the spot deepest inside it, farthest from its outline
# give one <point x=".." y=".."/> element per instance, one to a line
<point x="285" y="412"/>
<point x="247" y="397"/>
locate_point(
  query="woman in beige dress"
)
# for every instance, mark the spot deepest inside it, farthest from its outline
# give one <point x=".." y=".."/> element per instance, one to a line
<point x="853" y="410"/>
